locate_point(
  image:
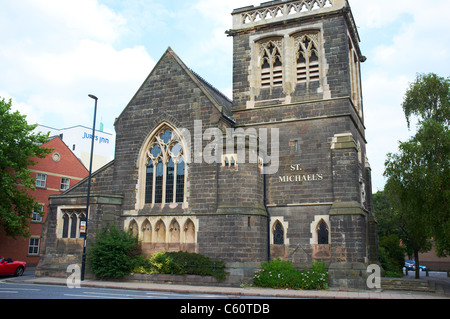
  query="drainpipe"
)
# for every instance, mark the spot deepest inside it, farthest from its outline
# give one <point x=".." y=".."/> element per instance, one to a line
<point x="268" y="216"/>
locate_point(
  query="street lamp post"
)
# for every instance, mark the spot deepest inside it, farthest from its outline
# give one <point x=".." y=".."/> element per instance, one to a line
<point x="83" y="263"/>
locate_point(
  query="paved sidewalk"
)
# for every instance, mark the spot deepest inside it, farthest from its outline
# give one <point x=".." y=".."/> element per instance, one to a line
<point x="248" y="292"/>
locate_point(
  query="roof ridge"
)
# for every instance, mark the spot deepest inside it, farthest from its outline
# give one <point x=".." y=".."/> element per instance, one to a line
<point x="211" y="86"/>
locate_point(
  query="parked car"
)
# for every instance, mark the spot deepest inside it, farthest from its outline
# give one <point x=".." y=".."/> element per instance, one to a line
<point x="11" y="267"/>
<point x="411" y="265"/>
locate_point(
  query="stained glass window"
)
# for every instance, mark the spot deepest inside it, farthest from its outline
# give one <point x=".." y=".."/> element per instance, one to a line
<point x="278" y="234"/>
<point x="166" y="167"/>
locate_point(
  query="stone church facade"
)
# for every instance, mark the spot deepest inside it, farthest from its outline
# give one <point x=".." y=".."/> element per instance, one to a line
<point x="296" y="75"/>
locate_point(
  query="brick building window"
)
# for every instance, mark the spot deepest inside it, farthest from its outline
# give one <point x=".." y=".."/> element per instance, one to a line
<point x="271" y="62"/>
<point x="65" y="183"/>
<point x="41" y="180"/>
<point x="36" y="216"/>
<point x="307" y="57"/>
<point x="33" y="246"/>
<point x="165" y="174"/>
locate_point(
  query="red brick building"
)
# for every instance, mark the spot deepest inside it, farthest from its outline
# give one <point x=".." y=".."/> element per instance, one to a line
<point x="54" y="174"/>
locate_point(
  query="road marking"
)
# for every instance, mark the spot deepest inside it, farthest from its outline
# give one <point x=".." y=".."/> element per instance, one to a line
<point x="9" y="292"/>
<point x="110" y="294"/>
<point x="22" y="289"/>
<point x="186" y="295"/>
<point x="94" y="296"/>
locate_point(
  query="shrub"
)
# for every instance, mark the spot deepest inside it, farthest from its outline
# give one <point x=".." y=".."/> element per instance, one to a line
<point x="182" y="263"/>
<point x="282" y="274"/>
<point x="113" y="254"/>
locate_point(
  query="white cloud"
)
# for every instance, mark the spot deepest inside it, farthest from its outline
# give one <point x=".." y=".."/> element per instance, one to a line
<point x="54" y="53"/>
<point x="384" y="119"/>
<point x="400" y="38"/>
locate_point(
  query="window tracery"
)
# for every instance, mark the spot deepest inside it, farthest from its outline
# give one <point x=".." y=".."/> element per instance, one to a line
<point x="165" y="172"/>
<point x="271" y="63"/>
<point x="71" y="221"/>
<point x="278" y="234"/>
<point x="307" y="57"/>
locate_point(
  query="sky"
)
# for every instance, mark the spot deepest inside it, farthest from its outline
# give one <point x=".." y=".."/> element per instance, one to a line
<point x="53" y="53"/>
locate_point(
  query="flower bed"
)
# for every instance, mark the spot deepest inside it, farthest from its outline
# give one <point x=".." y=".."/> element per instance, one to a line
<point x="282" y="274"/>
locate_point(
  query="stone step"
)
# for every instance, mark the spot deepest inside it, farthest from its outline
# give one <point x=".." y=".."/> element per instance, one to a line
<point x="407" y="285"/>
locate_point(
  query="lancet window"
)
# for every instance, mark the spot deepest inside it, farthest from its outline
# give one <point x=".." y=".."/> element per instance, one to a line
<point x="355" y="77"/>
<point x="278" y="234"/>
<point x="71" y="222"/>
<point x="271" y="63"/>
<point x="165" y="172"/>
<point x="322" y="234"/>
<point x="307" y="57"/>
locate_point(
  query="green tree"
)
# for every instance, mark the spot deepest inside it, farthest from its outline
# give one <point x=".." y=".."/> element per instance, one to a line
<point x="18" y="144"/>
<point x="428" y="97"/>
<point x="418" y="176"/>
<point x="391" y="234"/>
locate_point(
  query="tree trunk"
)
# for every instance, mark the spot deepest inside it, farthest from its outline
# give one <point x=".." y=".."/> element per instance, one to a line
<point x="416" y="259"/>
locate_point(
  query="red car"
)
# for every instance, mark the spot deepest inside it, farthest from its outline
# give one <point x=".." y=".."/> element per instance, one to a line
<point x="10" y="267"/>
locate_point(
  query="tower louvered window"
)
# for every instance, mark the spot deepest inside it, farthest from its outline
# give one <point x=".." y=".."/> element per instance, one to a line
<point x="307" y="57"/>
<point x="271" y="63"/>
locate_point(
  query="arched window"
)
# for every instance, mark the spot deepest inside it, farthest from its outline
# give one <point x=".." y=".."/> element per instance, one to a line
<point x="149" y="183"/>
<point x="66" y="221"/>
<point x="278" y="234"/>
<point x="307" y="57"/>
<point x="271" y="63"/>
<point x="82" y="220"/>
<point x="322" y="234"/>
<point x="73" y="227"/>
<point x="71" y="222"/>
<point x="165" y="175"/>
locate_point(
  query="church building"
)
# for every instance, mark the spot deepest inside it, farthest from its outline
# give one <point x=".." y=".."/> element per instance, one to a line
<point x="279" y="172"/>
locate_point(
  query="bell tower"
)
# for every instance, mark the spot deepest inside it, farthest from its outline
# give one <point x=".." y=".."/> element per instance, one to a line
<point x="296" y="68"/>
<point x="295" y="51"/>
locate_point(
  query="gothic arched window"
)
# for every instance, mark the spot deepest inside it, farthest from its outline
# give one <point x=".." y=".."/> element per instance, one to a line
<point x="307" y="57"/>
<point x="322" y="234"/>
<point x="71" y="222"/>
<point x="278" y="234"/>
<point x="271" y="63"/>
<point x="66" y="221"/>
<point x="166" y="168"/>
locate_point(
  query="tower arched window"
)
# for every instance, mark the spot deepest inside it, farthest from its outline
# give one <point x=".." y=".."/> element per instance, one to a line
<point x="307" y="57"/>
<point x="165" y="172"/>
<point x="271" y="63"/>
